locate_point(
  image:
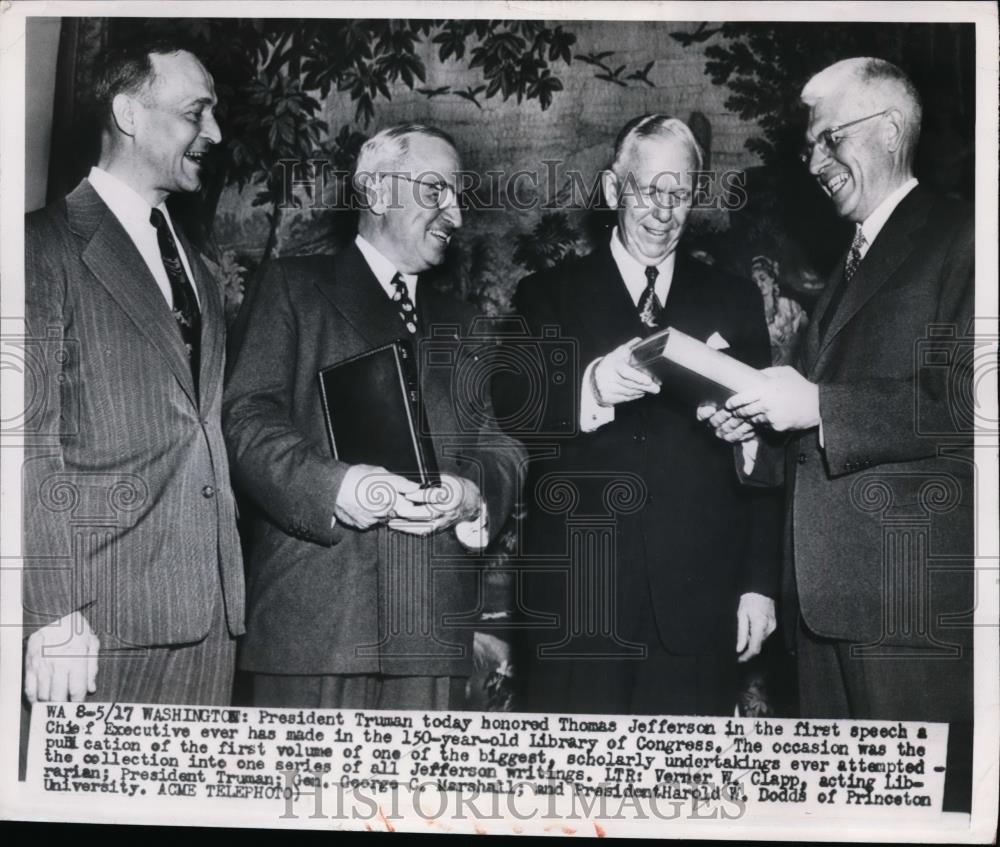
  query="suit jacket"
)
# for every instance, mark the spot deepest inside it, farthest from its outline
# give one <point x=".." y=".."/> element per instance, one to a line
<point x="891" y="485"/>
<point x="684" y="530"/>
<point x="129" y="514"/>
<point x="325" y="598"/>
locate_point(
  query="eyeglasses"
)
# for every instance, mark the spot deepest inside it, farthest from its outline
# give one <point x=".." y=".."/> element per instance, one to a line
<point x="829" y="139"/>
<point x="440" y="194"/>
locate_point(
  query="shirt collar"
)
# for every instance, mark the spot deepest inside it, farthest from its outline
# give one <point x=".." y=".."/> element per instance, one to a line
<point x="121" y="199"/>
<point x="873" y="224"/>
<point x="385" y="270"/>
<point x="633" y="272"/>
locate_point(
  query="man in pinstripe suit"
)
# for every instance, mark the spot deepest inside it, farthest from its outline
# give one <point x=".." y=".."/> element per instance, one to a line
<point x="133" y="584"/>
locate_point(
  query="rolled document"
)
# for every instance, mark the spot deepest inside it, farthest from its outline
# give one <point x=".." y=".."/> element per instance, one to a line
<point x="692" y="370"/>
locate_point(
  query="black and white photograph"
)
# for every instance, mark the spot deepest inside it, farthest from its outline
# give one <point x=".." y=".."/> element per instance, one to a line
<point x="565" y="419"/>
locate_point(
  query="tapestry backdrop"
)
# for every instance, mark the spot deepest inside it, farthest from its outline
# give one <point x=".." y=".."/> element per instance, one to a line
<point x="534" y="108"/>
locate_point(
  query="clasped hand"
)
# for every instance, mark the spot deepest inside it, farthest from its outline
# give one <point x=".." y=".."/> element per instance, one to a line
<point x="784" y="400"/>
<point x="371" y="495"/>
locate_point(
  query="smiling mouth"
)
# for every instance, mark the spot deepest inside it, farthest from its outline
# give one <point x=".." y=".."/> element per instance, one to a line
<point x="836" y="183"/>
<point x="197" y="158"/>
<point x="441" y="235"/>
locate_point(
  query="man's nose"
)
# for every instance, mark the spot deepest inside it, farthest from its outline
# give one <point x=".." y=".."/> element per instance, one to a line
<point x="818" y="157"/>
<point x="663" y="208"/>
<point x="210" y="128"/>
<point x="451" y="210"/>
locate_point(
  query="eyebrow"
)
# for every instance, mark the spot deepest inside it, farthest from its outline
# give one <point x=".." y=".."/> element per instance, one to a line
<point x="200" y="101"/>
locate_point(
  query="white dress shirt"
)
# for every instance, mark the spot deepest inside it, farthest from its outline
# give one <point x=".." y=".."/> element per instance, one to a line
<point x="133" y="213"/>
<point x="384" y="270"/>
<point x="633" y="273"/>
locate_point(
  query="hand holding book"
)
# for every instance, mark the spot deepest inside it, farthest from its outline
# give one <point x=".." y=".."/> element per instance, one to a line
<point x="691" y="368"/>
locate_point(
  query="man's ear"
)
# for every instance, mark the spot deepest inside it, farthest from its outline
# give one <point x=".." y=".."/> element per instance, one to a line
<point x="609" y="182"/>
<point x="895" y="129"/>
<point x="372" y="191"/>
<point x="123" y="111"/>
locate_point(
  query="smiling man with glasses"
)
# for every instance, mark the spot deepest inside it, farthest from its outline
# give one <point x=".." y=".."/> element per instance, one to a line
<point x="352" y="585"/>
<point x="868" y="428"/>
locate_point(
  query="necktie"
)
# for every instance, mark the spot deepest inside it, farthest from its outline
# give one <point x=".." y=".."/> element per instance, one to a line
<point x="851" y="264"/>
<point x="854" y="254"/>
<point x="185" y="303"/>
<point x="650" y="310"/>
<point x="407" y="313"/>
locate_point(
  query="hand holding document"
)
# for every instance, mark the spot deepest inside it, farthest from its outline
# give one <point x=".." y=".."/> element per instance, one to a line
<point x="691" y="368"/>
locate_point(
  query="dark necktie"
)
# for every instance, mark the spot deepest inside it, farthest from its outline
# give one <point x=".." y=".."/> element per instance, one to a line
<point x="401" y="297"/>
<point x="851" y="264"/>
<point x="650" y="310"/>
<point x="185" y="303"/>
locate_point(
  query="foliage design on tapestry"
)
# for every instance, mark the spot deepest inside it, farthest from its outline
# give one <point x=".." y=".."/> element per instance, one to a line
<point x="272" y="76"/>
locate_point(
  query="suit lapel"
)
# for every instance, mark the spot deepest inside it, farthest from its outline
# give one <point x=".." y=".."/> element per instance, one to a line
<point x="114" y="260"/>
<point x="891" y="248"/>
<point x="354" y="291"/>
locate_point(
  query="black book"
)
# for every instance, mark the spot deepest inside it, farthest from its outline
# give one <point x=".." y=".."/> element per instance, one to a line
<point x="690" y="369"/>
<point x="374" y="414"/>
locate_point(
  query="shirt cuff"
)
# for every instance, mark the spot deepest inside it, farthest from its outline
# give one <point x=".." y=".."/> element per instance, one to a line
<point x="750" y="449"/>
<point x="592" y="414"/>
<point x="474" y="534"/>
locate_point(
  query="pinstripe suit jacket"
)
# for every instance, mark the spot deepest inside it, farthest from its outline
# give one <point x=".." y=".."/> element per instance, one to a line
<point x="129" y="514"/>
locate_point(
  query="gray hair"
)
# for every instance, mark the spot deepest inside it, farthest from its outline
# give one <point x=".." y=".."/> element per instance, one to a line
<point x="878" y="84"/>
<point x="387" y="149"/>
<point x="648" y="126"/>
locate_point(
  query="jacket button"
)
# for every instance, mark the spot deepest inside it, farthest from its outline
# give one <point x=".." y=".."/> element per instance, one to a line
<point x="639" y="438"/>
<point x="208" y="492"/>
<point x="801" y="458"/>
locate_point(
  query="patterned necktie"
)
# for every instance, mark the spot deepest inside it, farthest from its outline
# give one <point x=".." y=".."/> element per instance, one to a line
<point x="402" y="300"/>
<point x="851" y="264"/>
<point x="650" y="310"/>
<point x="854" y="255"/>
<point x="185" y="303"/>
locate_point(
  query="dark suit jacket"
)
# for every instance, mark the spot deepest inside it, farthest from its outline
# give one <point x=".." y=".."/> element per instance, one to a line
<point x="332" y="599"/>
<point x="129" y="514"/>
<point x="685" y="531"/>
<point x="893" y="479"/>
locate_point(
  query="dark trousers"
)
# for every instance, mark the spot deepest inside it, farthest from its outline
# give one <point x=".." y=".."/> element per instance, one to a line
<point x="835" y="682"/>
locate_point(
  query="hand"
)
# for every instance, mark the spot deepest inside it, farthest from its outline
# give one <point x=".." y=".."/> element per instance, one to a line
<point x="60" y="661"/>
<point x="726" y="425"/>
<point x="615" y="380"/>
<point x="439" y="507"/>
<point x="785" y="400"/>
<point x="371" y="495"/>
<point x="755" y="621"/>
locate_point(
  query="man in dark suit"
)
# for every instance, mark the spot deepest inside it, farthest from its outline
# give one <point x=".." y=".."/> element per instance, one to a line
<point x="878" y="470"/>
<point x="357" y="578"/>
<point x="653" y="569"/>
<point x="133" y="581"/>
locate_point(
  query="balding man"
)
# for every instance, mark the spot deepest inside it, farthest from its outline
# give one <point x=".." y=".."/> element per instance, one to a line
<point x="356" y="576"/>
<point x="879" y="473"/>
<point x="668" y="567"/>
